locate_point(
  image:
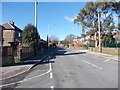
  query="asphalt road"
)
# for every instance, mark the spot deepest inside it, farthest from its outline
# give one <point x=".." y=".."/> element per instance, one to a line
<point x="72" y="69"/>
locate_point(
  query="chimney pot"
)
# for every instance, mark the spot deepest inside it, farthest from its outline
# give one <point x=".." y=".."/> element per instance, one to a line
<point x="11" y="22"/>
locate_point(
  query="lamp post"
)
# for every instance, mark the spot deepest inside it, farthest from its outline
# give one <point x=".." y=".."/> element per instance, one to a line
<point x="49" y="32"/>
<point x="36" y="3"/>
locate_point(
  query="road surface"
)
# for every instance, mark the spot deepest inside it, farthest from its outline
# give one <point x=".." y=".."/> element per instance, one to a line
<point x="72" y="69"/>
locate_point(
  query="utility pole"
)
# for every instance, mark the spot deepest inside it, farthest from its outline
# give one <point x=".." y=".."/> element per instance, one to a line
<point x="100" y="49"/>
<point x="36" y="3"/>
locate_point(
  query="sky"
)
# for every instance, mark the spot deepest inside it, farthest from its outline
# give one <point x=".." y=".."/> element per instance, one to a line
<point x="54" y="18"/>
<point x="58" y="16"/>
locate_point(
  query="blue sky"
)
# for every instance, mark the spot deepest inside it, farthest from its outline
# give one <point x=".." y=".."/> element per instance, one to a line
<point x="49" y="13"/>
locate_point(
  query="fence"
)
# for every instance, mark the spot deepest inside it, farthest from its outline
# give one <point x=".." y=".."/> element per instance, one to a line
<point x="9" y="55"/>
<point x="25" y="52"/>
<point x="111" y="43"/>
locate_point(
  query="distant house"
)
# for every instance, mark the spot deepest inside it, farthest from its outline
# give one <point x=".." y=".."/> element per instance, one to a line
<point x="77" y="40"/>
<point x="11" y="34"/>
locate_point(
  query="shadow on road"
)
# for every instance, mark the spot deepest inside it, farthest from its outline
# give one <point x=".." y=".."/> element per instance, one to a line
<point x="63" y="52"/>
<point x="44" y="58"/>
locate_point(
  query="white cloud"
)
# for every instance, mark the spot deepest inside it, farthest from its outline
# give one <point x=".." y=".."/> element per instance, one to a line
<point x="69" y="19"/>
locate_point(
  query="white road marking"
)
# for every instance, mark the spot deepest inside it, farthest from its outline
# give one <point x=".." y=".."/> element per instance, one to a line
<point x="92" y="64"/>
<point x="29" y="78"/>
<point x="15" y="74"/>
<point x="51" y="75"/>
<point x="52" y="87"/>
<point x="107" y="60"/>
<point x="50" y="66"/>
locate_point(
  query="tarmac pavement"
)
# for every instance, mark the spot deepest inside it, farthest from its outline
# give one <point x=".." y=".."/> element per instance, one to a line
<point x="19" y="68"/>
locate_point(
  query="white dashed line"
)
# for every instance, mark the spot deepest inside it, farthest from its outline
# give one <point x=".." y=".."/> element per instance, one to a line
<point x="52" y="87"/>
<point x="92" y="64"/>
<point x="51" y="75"/>
<point x="50" y="67"/>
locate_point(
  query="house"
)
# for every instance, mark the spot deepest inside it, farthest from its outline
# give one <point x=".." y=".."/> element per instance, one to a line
<point x="1" y="35"/>
<point x="76" y="40"/>
<point x="11" y="34"/>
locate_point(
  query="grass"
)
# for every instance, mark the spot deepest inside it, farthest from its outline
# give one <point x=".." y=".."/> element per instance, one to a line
<point x="115" y="54"/>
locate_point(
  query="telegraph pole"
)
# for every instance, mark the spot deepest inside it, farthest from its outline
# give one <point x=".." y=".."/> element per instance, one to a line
<point x="100" y="49"/>
<point x="36" y="3"/>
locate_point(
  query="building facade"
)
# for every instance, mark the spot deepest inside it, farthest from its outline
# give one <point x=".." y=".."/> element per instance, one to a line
<point x="11" y="34"/>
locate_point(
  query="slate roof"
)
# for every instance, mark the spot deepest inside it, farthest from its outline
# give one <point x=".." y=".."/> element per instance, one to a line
<point x="9" y="26"/>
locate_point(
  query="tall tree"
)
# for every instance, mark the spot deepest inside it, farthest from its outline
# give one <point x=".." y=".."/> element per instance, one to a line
<point x="54" y="39"/>
<point x="88" y="16"/>
<point x="30" y="36"/>
<point x="69" y="38"/>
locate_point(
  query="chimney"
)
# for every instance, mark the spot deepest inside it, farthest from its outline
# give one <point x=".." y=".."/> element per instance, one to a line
<point x="11" y="22"/>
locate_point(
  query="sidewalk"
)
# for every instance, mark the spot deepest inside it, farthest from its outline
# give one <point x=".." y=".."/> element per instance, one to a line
<point x="11" y="71"/>
<point x="102" y="55"/>
<point x="19" y="68"/>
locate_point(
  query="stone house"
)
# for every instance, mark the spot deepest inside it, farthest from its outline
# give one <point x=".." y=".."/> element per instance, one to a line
<point x="11" y="34"/>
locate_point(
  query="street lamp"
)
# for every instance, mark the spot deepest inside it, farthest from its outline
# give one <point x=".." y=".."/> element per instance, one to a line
<point x="49" y="26"/>
<point x="36" y="4"/>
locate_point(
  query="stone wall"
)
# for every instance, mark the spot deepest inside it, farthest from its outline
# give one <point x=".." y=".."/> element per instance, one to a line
<point x="7" y="56"/>
<point x="8" y="36"/>
<point x="26" y="52"/>
<point x="107" y="50"/>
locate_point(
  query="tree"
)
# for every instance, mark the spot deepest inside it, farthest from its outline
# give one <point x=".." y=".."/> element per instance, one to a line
<point x="83" y="35"/>
<point x="69" y="38"/>
<point x="88" y="16"/>
<point x="54" y="39"/>
<point x="64" y="42"/>
<point x="30" y="37"/>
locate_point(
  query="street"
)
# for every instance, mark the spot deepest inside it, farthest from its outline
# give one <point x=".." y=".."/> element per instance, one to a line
<point x="68" y="68"/>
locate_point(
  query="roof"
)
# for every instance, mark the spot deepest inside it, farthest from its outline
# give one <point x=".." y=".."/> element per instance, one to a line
<point x="10" y="26"/>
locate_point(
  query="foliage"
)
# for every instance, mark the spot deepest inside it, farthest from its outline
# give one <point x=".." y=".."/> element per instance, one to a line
<point x="107" y="11"/>
<point x="88" y="16"/>
<point x="54" y="39"/>
<point x="30" y="36"/>
<point x="64" y="42"/>
<point x="83" y="35"/>
<point x="69" y="38"/>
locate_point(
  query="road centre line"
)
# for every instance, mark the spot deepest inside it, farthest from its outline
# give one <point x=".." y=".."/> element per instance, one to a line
<point x="52" y="87"/>
<point x="51" y="75"/>
<point x="50" y="69"/>
<point x="92" y="64"/>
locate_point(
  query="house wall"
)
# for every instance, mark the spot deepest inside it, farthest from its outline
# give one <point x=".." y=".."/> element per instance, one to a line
<point x="8" y="36"/>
